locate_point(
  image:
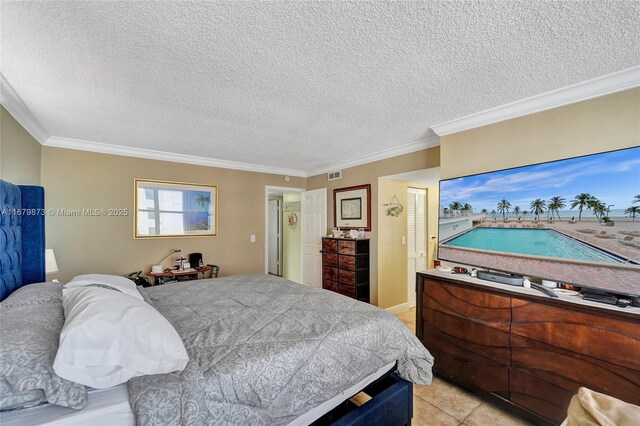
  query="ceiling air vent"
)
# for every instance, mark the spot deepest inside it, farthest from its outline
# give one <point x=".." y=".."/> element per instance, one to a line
<point x="334" y="175"/>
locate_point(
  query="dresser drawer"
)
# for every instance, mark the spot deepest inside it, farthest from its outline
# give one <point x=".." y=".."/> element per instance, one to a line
<point x="330" y="259"/>
<point x="360" y="276"/>
<point x="347" y="262"/>
<point x="464" y="329"/>
<point x="329" y="285"/>
<point x="597" y="336"/>
<point x="543" y="398"/>
<point x="463" y="349"/>
<point x="360" y="261"/>
<point x="329" y="273"/>
<point x="329" y="245"/>
<point x="347" y="277"/>
<point x="347" y="290"/>
<point x="347" y="247"/>
<point x="486" y="308"/>
<point x="491" y="378"/>
<point x="571" y="370"/>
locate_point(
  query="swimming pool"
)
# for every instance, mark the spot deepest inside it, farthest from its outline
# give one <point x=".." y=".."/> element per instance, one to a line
<point x="538" y="242"/>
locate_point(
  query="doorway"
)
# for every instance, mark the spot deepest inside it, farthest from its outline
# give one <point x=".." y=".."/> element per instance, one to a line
<point x="302" y="223"/>
<point x="275" y="236"/>
<point x="282" y="236"/>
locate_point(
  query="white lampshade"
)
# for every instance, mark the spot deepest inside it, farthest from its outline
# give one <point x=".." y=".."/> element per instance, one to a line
<point x="51" y="265"/>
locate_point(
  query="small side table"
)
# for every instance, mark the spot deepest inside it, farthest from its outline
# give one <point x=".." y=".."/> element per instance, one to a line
<point x="176" y="275"/>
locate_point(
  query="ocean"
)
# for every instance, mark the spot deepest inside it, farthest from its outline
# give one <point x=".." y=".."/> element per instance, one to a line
<point x="568" y="214"/>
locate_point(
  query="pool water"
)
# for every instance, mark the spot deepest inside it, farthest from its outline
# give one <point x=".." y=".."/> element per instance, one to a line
<point x="538" y="242"/>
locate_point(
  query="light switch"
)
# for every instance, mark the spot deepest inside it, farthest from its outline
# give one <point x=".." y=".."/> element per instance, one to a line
<point x="253" y="238"/>
<point x="404" y="240"/>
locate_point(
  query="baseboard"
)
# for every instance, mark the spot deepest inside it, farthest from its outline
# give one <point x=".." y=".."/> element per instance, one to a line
<point x="398" y="309"/>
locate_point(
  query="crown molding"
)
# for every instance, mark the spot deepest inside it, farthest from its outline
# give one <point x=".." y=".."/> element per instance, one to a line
<point x="103" y="148"/>
<point x="419" y="145"/>
<point x="619" y="81"/>
<point x="12" y="102"/>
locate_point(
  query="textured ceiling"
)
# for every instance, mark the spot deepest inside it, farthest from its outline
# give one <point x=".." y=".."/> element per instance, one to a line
<point x="291" y="84"/>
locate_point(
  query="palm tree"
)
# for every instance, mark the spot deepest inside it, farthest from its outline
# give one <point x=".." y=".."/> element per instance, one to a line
<point x="524" y="214"/>
<point x="467" y="208"/>
<point x="598" y="207"/>
<point x="455" y="206"/>
<point x="582" y="201"/>
<point x="503" y="207"/>
<point x="537" y="207"/>
<point x="484" y="212"/>
<point x="636" y="199"/>
<point x="555" y="204"/>
<point x="516" y="211"/>
<point x="633" y="211"/>
<point x="204" y="200"/>
<point x="493" y="213"/>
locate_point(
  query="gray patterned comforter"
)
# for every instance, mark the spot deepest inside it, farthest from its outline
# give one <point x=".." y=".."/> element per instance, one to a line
<point x="264" y="350"/>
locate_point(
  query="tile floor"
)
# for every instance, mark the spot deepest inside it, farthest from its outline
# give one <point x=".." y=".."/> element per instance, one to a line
<point x="443" y="403"/>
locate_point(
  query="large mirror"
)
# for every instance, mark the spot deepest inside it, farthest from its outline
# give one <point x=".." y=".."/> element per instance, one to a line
<point x="175" y="209"/>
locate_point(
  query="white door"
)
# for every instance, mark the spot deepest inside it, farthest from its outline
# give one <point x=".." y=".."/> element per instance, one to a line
<point x="314" y="227"/>
<point x="275" y="237"/>
<point x="416" y="239"/>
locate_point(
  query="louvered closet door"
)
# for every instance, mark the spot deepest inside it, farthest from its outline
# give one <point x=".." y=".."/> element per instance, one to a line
<point x="416" y="239"/>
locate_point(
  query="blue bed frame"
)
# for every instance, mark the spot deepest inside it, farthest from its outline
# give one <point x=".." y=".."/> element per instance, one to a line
<point x="22" y="240"/>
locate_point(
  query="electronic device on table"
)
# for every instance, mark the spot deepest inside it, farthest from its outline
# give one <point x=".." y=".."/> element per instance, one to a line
<point x="595" y="295"/>
<point x="515" y="280"/>
<point x="619" y="299"/>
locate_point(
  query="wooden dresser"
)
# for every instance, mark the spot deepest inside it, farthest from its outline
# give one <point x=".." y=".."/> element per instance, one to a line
<point x="528" y="352"/>
<point x="345" y="267"/>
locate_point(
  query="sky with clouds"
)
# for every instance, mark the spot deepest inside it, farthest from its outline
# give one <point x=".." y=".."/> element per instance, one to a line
<point x="612" y="177"/>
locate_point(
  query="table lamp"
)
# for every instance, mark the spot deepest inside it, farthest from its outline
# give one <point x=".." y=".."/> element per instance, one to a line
<point x="157" y="269"/>
<point x="51" y="266"/>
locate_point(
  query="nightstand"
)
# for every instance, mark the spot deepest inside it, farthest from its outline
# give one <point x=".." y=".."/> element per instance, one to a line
<point x="178" y="276"/>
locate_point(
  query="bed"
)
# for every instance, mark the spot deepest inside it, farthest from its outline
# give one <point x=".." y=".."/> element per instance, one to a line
<point x="262" y="350"/>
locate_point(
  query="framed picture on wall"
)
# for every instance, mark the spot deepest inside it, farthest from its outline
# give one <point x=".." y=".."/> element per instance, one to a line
<point x="352" y="207"/>
<point x="175" y="209"/>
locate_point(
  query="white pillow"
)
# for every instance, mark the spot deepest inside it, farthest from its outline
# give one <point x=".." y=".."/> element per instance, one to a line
<point x="109" y="337"/>
<point x="123" y="284"/>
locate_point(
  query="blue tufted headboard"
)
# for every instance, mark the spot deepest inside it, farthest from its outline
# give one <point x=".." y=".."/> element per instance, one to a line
<point x="21" y="236"/>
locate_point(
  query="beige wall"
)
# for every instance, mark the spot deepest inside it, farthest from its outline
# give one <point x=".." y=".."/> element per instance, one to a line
<point x="601" y="124"/>
<point x="392" y="254"/>
<point x="19" y="152"/>
<point x="369" y="173"/>
<point x="292" y="241"/>
<point x="78" y="179"/>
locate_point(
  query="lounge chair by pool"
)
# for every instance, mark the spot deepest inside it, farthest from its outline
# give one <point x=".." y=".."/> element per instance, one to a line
<point x="630" y="241"/>
<point x="634" y="233"/>
<point x="603" y="234"/>
<point x="587" y="231"/>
